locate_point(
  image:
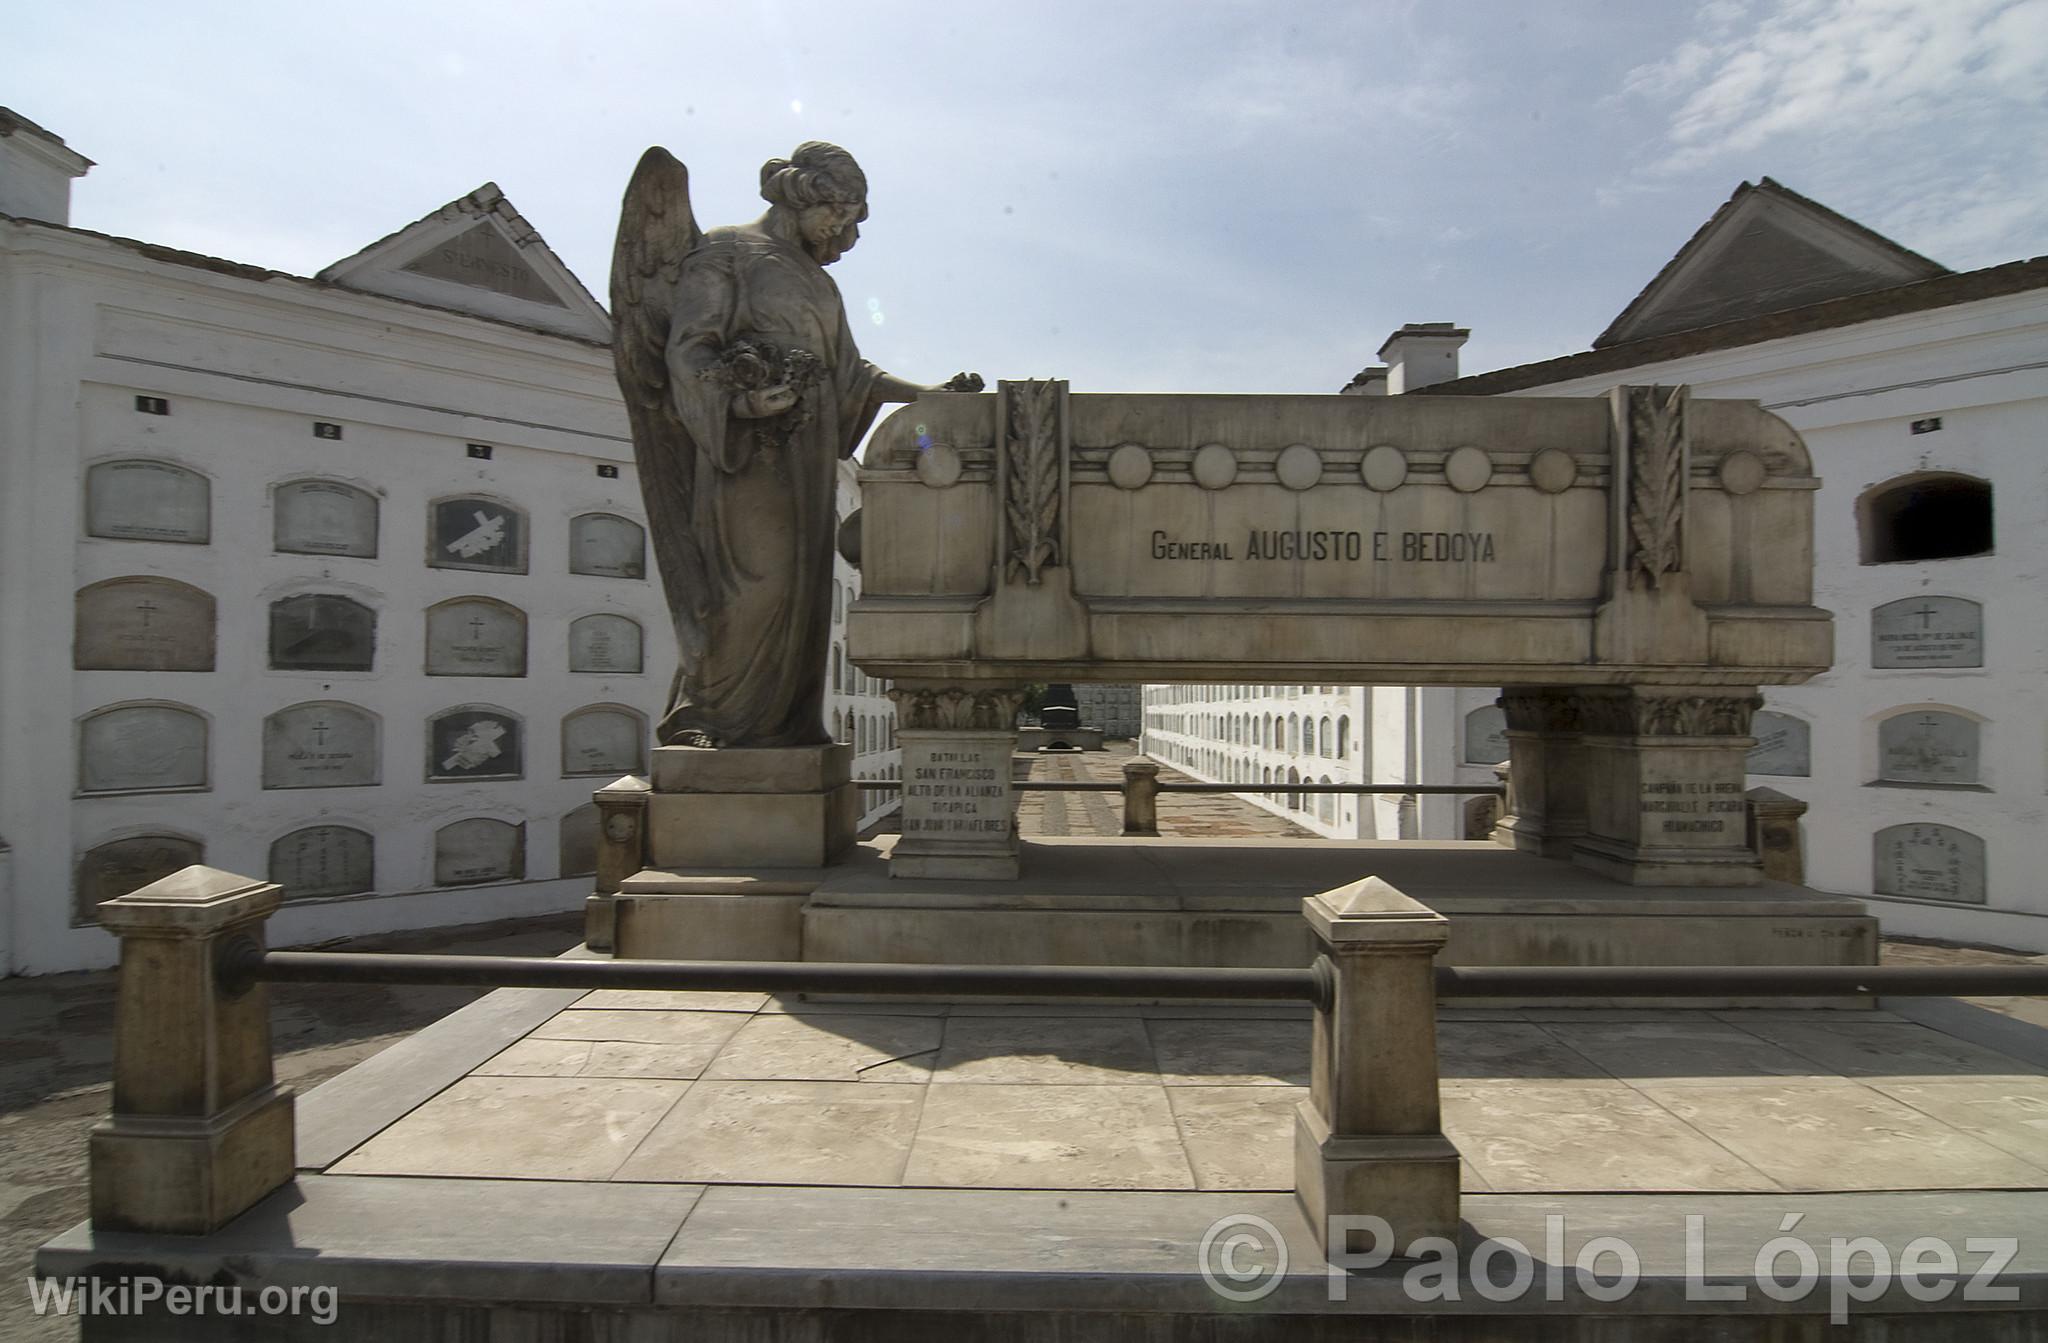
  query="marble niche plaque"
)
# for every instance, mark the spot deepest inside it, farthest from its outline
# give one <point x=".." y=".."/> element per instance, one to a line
<point x="319" y="631"/>
<point x="1486" y="735"/>
<point x="1927" y="746"/>
<point x="324" y="745"/>
<point x="1784" y="745"/>
<point x="1927" y="632"/>
<point x="480" y="849"/>
<point x="323" y="860"/>
<point x="578" y="847"/>
<point x="141" y="747"/>
<point x="474" y="742"/>
<point x="604" y="741"/>
<point x="605" y="643"/>
<point x="148" y="501"/>
<point x="123" y="865"/>
<point x="607" y="545"/>
<point x="1929" y="862"/>
<point x="143" y="624"/>
<point x="477" y="534"/>
<point x="325" y="517"/>
<point x="474" y="636"/>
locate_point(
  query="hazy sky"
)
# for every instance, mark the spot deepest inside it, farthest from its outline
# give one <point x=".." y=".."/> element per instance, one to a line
<point x="1184" y="196"/>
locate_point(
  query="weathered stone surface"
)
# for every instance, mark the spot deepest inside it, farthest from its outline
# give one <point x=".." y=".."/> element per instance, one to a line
<point x="605" y="643"/>
<point x="477" y="534"/>
<point x="143" y="624"/>
<point x="475" y="636"/>
<point x="324" y="860"/>
<point x="1486" y="735"/>
<point x="1066" y="1137"/>
<point x="148" y="501"/>
<point x="475" y="742"/>
<point x="320" y="631"/>
<point x="1929" y="862"/>
<point x="607" y="740"/>
<point x="784" y="769"/>
<point x="538" y="1128"/>
<point x="578" y="842"/>
<point x="477" y="850"/>
<point x="787" y="830"/>
<point x="322" y="745"/>
<point x="773" y="1132"/>
<point x="140" y="747"/>
<point x="1927" y="746"/>
<point x="123" y="865"/>
<point x="607" y="545"/>
<point x="324" y="517"/>
<point x="1927" y="632"/>
<point x="959" y="807"/>
<point x="1784" y="745"/>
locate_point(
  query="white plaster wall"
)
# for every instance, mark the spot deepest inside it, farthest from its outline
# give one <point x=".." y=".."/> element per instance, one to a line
<point x="858" y="695"/>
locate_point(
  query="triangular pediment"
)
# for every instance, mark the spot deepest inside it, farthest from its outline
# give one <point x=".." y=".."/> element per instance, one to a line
<point x="477" y="255"/>
<point x="1767" y="250"/>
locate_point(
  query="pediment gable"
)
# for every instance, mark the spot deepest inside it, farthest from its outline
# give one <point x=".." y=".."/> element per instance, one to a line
<point x="477" y="255"/>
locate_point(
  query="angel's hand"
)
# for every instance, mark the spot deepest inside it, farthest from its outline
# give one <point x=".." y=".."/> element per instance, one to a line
<point x="763" y="402"/>
<point x="961" y="382"/>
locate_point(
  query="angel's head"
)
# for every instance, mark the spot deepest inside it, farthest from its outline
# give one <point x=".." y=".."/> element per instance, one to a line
<point x="824" y="192"/>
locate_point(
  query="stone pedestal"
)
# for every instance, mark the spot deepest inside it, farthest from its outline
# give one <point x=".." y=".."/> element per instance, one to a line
<point x="1545" y="810"/>
<point x="1141" y="797"/>
<point x="200" y="1131"/>
<point x="1369" y="1139"/>
<point x="621" y="852"/>
<point x="784" y="807"/>
<point x="959" y="807"/>
<point x="1774" y="834"/>
<point x="1664" y="779"/>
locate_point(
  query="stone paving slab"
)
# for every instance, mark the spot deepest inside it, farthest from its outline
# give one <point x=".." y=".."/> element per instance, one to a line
<point x="1049" y="1137"/>
<point x="767" y="1132"/>
<point x="531" y="1128"/>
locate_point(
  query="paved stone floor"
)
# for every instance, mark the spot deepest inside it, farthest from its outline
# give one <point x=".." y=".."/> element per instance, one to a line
<point x="1185" y="815"/>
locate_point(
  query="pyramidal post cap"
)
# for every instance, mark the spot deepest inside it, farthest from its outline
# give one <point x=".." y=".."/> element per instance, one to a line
<point x="191" y="902"/>
<point x="1373" y="910"/>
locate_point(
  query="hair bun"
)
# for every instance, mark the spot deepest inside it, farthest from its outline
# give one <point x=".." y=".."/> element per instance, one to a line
<point x="768" y="171"/>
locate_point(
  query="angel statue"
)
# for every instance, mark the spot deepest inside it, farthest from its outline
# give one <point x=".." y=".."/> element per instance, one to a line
<point x="745" y="389"/>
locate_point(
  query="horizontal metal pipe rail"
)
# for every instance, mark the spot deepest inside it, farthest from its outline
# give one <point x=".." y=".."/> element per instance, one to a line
<point x="1744" y="981"/>
<point x="1090" y="786"/>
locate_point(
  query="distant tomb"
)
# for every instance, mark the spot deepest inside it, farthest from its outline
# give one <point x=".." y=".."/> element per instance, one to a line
<point x="477" y="534"/>
<point x="323" y="860"/>
<point x="1927" y="632"/>
<point x="578" y="842"/>
<point x="1929" y="862"/>
<point x="320" y="745"/>
<point x="605" y="643"/>
<point x="475" y="742"/>
<point x="607" y="545"/>
<point x="148" y="501"/>
<point x="123" y="865"/>
<point x="475" y="636"/>
<point x="1486" y="735"/>
<point x="143" y="624"/>
<point x="140" y="748"/>
<point x="604" y="740"/>
<point x="320" y="631"/>
<point x="1927" y="746"/>
<point x="325" y="517"/>
<point x="1784" y="745"/>
<point x="479" y="850"/>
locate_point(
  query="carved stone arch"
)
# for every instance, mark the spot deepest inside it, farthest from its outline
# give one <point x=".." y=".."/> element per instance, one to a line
<point x="148" y="499"/>
<point x="144" y="746"/>
<point x="1929" y="745"/>
<point x="607" y="643"/>
<point x="317" y="861"/>
<point x="319" y="515"/>
<point x="478" y="850"/>
<point x="604" y="739"/>
<point x="607" y="545"/>
<point x="142" y="622"/>
<point x="475" y="636"/>
<point x="322" y="744"/>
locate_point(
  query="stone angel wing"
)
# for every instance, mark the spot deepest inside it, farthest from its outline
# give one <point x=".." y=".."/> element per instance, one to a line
<point x="657" y="230"/>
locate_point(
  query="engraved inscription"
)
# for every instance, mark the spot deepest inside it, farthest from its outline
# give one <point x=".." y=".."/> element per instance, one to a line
<point x="325" y="517"/>
<point x="956" y="792"/>
<point x="1929" y="862"/>
<point x="1689" y="807"/>
<point x="323" y="860"/>
<point x="1927" y="632"/>
<point x="143" y="624"/>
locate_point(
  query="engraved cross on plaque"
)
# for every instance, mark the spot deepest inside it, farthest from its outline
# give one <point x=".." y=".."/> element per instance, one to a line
<point x="148" y="609"/>
<point x="476" y="626"/>
<point x="1926" y="613"/>
<point x="320" y="734"/>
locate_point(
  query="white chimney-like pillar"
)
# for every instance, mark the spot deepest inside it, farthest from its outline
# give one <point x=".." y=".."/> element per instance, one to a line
<point x="1369" y="382"/>
<point x="36" y="171"/>
<point x="1422" y="353"/>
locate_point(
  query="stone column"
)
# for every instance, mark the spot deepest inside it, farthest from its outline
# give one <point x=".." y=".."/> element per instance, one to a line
<point x="1774" y="834"/>
<point x="1545" y="810"/>
<point x="621" y="851"/>
<point x="1664" y="769"/>
<point x="959" y="807"/>
<point x="200" y="1130"/>
<point x="1141" y="797"/>
<point x="1369" y="1138"/>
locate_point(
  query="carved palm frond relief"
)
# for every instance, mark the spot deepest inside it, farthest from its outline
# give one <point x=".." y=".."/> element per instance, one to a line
<point x="1032" y="504"/>
<point x="1657" y="466"/>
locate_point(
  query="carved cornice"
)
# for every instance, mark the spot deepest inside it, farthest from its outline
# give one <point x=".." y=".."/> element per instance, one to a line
<point x="1542" y="710"/>
<point x="1630" y="713"/>
<point x="957" y="708"/>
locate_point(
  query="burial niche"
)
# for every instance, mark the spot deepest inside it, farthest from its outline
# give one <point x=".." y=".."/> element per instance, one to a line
<point x="140" y="500"/>
<point x="473" y="533"/>
<point x="142" y="624"/>
<point x="1929" y="515"/>
<point x="475" y="741"/>
<point x="1784" y="745"/>
<point x="604" y="739"/>
<point x="578" y="842"/>
<point x="322" y="631"/>
<point x="476" y="636"/>
<point x="1927" y="746"/>
<point x="1927" y="632"/>
<point x="324" y="517"/>
<point x="607" y="545"/>
<point x="1486" y="735"/>
<point x="324" y="860"/>
<point x="478" y="850"/>
<point x="320" y="745"/>
<point x="123" y="865"/>
<point x="605" y="643"/>
<point x="133" y="748"/>
<point x="1928" y="861"/>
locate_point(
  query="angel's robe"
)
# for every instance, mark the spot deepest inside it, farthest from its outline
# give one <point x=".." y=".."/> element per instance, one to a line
<point x="761" y="511"/>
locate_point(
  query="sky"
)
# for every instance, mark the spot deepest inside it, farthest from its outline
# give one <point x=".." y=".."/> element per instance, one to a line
<point x="1188" y="196"/>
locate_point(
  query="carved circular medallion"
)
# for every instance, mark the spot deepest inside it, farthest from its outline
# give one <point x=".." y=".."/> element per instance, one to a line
<point x="1298" y="466"/>
<point x="1215" y="466"/>
<point x="1468" y="469"/>
<point x="1553" y="471"/>
<point x="1130" y="466"/>
<point x="1742" y="472"/>
<point x="849" y="539"/>
<point x="1384" y="468"/>
<point x="939" y="465"/>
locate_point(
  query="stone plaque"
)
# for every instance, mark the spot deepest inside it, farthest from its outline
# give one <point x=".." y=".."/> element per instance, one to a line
<point x="319" y="631"/>
<point x="604" y="741"/>
<point x="1927" y="746"/>
<point x="474" y="743"/>
<point x="605" y="643"/>
<point x="1927" y="632"/>
<point x="956" y="787"/>
<point x="325" y="517"/>
<point x="480" y="849"/>
<point x="608" y="545"/>
<point x="323" y="745"/>
<point x="123" y="865"/>
<point x="148" y="501"/>
<point x="1929" y="862"/>
<point x="578" y="846"/>
<point x="1486" y="735"/>
<point x="482" y="258"/>
<point x="1784" y="745"/>
<point x="142" y="624"/>
<point x="323" y="860"/>
<point x="141" y="746"/>
<point x="474" y="636"/>
<point x="477" y="534"/>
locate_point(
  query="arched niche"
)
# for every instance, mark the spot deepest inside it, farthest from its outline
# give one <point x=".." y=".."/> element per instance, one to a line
<point x="476" y="532"/>
<point x="321" y="744"/>
<point x="128" y="864"/>
<point x="323" y="517"/>
<point x="475" y="741"/>
<point x="607" y="739"/>
<point x="476" y="636"/>
<point x="139" y="499"/>
<point x="1929" y="746"/>
<point x="1927" y="515"/>
<point x="324" y="860"/>
<point x="146" y="747"/>
<point x="142" y="623"/>
<point x="322" y="631"/>
<point x="479" y="850"/>
<point x="606" y="643"/>
<point x="607" y="546"/>
<point x="1929" y="861"/>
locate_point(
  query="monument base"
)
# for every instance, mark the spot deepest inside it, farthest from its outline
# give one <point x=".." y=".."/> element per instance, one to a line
<point x="785" y="807"/>
<point x="1411" y="1182"/>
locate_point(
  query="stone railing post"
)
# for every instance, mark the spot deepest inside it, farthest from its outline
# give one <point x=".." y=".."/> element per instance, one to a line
<point x="1141" y="797"/>
<point x="200" y="1130"/>
<point x="1369" y="1139"/>
<point x="621" y="851"/>
<point x="1774" y="834"/>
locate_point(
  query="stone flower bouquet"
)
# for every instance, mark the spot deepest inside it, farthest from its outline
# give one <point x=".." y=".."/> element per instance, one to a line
<point x="755" y="365"/>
